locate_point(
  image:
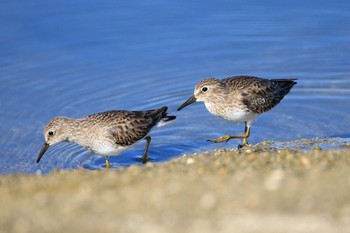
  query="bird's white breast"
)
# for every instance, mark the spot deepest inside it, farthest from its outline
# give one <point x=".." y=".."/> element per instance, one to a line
<point x="106" y="148"/>
<point x="231" y="113"/>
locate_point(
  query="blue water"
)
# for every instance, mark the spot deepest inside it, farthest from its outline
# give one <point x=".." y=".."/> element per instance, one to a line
<point x="74" y="58"/>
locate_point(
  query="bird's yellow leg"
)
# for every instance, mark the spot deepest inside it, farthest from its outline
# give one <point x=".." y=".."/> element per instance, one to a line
<point x="108" y="164"/>
<point x="226" y="138"/>
<point x="144" y="158"/>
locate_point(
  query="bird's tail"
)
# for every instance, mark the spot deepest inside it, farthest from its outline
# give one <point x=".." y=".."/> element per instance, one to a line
<point x="164" y="118"/>
<point x="285" y="85"/>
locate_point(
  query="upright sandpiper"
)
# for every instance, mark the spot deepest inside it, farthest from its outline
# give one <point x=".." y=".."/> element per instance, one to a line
<point x="106" y="133"/>
<point x="239" y="99"/>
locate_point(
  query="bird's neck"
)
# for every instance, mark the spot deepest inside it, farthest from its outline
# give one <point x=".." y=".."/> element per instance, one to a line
<point x="74" y="130"/>
<point x="213" y="106"/>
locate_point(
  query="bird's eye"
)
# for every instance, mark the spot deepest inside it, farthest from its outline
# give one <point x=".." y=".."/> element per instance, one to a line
<point x="51" y="133"/>
<point x="204" y="89"/>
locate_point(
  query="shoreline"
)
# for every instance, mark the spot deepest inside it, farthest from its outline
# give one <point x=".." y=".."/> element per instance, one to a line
<point x="258" y="189"/>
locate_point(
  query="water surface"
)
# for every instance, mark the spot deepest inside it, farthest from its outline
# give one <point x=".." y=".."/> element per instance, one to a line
<point x="77" y="58"/>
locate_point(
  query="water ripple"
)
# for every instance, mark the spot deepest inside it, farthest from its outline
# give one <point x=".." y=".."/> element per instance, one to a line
<point x="78" y="59"/>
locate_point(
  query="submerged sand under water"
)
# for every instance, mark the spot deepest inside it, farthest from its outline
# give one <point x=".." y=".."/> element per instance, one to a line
<point x="258" y="189"/>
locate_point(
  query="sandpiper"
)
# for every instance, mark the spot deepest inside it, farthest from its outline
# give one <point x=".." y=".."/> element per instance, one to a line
<point x="239" y="99"/>
<point x="106" y="133"/>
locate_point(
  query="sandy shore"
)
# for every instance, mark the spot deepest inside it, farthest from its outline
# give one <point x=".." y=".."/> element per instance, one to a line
<point x="259" y="189"/>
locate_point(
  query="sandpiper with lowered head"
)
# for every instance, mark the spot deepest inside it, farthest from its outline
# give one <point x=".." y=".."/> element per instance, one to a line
<point x="239" y="99"/>
<point x="106" y="133"/>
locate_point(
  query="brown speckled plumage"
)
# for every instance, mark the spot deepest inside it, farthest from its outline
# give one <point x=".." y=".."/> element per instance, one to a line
<point x="240" y="98"/>
<point x="106" y="133"/>
<point x="259" y="95"/>
<point x="127" y="127"/>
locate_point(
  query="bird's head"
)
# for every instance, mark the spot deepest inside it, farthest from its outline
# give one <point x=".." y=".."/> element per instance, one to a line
<point x="55" y="131"/>
<point x="204" y="91"/>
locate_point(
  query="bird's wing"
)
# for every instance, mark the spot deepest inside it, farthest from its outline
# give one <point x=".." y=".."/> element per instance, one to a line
<point x="128" y="127"/>
<point x="260" y="95"/>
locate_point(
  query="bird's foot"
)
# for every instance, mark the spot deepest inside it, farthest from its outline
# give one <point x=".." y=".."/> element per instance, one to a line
<point x="108" y="164"/>
<point x="240" y="146"/>
<point x="144" y="159"/>
<point x="244" y="143"/>
<point x="225" y="138"/>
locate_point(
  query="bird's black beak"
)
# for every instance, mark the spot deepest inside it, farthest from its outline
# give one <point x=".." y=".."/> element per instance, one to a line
<point x="42" y="151"/>
<point x="191" y="100"/>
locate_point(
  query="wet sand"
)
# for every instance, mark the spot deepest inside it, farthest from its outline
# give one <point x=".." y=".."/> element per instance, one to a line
<point x="258" y="189"/>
